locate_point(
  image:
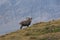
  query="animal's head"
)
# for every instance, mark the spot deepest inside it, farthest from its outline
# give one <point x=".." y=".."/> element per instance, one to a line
<point x="28" y="18"/>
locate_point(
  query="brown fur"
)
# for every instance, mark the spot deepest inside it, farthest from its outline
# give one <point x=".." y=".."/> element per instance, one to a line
<point x="25" y="23"/>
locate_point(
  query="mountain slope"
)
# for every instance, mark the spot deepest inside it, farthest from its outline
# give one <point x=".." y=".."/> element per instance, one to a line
<point x="12" y="11"/>
<point x="40" y="31"/>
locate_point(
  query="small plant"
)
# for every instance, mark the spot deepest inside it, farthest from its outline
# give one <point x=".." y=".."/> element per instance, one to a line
<point x="27" y="34"/>
<point x="33" y="38"/>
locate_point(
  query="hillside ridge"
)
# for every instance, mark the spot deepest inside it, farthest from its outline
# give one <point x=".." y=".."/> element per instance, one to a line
<point x="40" y="31"/>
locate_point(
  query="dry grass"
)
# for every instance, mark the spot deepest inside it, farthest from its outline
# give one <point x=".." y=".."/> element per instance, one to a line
<point x="40" y="31"/>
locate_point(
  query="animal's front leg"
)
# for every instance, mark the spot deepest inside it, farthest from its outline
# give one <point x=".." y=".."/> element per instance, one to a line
<point x="27" y="25"/>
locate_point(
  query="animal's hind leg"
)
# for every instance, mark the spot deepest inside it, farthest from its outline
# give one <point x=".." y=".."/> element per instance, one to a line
<point x="21" y="27"/>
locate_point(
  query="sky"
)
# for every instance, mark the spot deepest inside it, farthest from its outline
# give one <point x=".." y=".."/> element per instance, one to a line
<point x="14" y="11"/>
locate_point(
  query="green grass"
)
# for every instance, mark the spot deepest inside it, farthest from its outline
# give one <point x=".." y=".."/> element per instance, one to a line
<point x="39" y="31"/>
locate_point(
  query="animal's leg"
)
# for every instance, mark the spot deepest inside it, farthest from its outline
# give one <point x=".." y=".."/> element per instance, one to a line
<point x="21" y="27"/>
<point x="27" y="25"/>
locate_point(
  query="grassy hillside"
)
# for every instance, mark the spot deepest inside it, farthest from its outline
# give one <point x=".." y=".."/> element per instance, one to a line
<point x="39" y="31"/>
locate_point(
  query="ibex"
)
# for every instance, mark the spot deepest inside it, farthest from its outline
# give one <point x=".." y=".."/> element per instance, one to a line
<point x="26" y="22"/>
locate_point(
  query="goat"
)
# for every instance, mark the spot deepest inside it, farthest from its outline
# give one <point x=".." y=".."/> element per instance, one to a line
<point x="26" y="22"/>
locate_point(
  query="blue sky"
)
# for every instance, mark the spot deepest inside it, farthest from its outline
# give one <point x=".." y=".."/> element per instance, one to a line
<point x="13" y="11"/>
